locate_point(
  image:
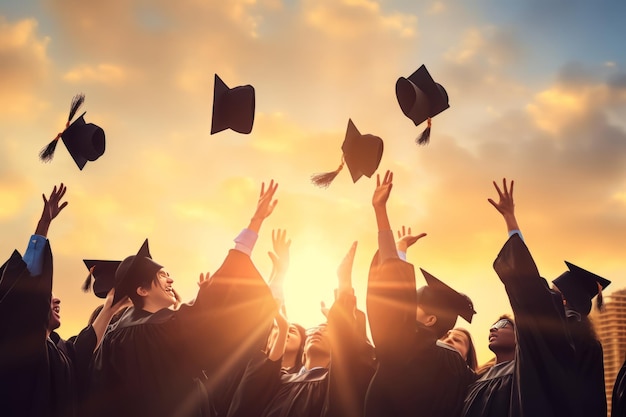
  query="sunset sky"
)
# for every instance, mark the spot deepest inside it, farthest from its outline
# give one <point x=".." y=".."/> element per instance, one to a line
<point x="537" y="94"/>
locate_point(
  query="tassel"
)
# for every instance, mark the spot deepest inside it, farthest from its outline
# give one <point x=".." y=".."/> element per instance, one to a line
<point x="87" y="284"/>
<point x="324" y="179"/>
<point x="599" y="299"/>
<point x="425" y="136"/>
<point x="77" y="101"/>
<point x="47" y="152"/>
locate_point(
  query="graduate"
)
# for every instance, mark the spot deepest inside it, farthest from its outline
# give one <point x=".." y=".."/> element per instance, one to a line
<point x="42" y="374"/>
<point x="545" y="379"/>
<point x="416" y="375"/>
<point x="157" y="361"/>
<point x="490" y="395"/>
<point x="337" y="366"/>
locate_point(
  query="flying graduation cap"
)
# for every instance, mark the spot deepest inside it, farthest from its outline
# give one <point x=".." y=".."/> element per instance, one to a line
<point x="579" y="286"/>
<point x="420" y="99"/>
<point x="84" y="141"/>
<point x="103" y="275"/>
<point x="233" y="108"/>
<point x="362" y="154"/>
<point x="438" y="294"/>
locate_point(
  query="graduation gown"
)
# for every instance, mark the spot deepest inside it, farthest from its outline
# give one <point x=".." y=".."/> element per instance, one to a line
<point x="150" y="364"/>
<point x="590" y="365"/>
<point x="618" y="399"/>
<point x="338" y="390"/>
<point x="415" y="376"/>
<point x="545" y="381"/>
<point x="26" y="379"/>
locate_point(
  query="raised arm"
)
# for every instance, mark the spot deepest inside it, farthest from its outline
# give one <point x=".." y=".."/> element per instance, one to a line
<point x="265" y="206"/>
<point x="386" y="244"/>
<point x="506" y="206"/>
<point x="52" y="206"/>
<point x="405" y="240"/>
<point x="280" y="264"/>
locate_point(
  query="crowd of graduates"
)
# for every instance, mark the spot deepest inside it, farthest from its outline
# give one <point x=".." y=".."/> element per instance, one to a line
<point x="231" y="351"/>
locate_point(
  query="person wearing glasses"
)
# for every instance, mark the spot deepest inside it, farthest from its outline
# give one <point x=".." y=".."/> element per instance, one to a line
<point x="545" y="380"/>
<point x="491" y="393"/>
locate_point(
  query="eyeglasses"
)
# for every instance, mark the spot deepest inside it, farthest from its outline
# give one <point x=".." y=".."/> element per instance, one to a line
<point x="317" y="329"/>
<point x="502" y="323"/>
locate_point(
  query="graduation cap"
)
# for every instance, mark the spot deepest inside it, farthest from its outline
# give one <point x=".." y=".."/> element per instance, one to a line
<point x="232" y="107"/>
<point x="579" y="286"/>
<point x="362" y="154"/>
<point x="103" y="275"/>
<point x="439" y="295"/>
<point x="420" y="99"/>
<point x="84" y="141"/>
<point x="134" y="271"/>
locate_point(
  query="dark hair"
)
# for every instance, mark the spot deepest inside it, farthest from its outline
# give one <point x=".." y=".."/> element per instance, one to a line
<point x="138" y="301"/>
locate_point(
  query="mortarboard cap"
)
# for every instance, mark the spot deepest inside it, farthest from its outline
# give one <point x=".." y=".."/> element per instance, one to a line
<point x="579" y="286"/>
<point x="438" y="294"/>
<point x="361" y="153"/>
<point x="232" y="107"/>
<point x="134" y="271"/>
<point x="84" y="141"/>
<point x="103" y="275"/>
<point x="421" y="98"/>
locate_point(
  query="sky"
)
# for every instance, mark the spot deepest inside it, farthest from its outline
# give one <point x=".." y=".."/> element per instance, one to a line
<point x="537" y="93"/>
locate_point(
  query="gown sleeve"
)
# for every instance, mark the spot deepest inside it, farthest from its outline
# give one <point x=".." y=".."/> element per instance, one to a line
<point x="545" y="376"/>
<point x="391" y="306"/>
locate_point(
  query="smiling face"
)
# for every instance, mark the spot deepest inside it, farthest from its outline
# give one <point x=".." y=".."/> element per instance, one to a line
<point x="161" y="293"/>
<point x="55" y="316"/>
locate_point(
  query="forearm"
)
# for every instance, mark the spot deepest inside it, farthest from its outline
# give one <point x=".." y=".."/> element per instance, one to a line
<point x="386" y="242"/>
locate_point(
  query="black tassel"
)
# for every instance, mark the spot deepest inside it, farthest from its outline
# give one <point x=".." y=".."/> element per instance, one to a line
<point x="324" y="179"/>
<point x="47" y="152"/>
<point x="600" y="299"/>
<point x="424" y="138"/>
<point x="77" y="101"/>
<point x="87" y="284"/>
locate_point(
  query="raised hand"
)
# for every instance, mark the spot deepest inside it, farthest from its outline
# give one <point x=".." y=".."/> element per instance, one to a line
<point x="280" y="256"/>
<point x="344" y="272"/>
<point x="382" y="191"/>
<point x="52" y="206"/>
<point x="265" y="206"/>
<point x="406" y="239"/>
<point x="506" y="205"/>
<point x="204" y="279"/>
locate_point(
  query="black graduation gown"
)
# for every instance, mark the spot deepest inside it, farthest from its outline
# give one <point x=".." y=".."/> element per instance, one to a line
<point x="415" y="376"/>
<point x="338" y="390"/>
<point x="545" y="381"/>
<point x="590" y="365"/>
<point x="150" y="364"/>
<point x="26" y="380"/>
<point x="618" y="399"/>
<point x="490" y="395"/>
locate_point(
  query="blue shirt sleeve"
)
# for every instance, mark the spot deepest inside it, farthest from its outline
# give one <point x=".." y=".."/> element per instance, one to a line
<point x="33" y="257"/>
<point x="519" y="232"/>
<point x="245" y="241"/>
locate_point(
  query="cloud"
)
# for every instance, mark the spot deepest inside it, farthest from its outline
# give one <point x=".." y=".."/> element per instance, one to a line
<point x="24" y="65"/>
<point x="101" y="73"/>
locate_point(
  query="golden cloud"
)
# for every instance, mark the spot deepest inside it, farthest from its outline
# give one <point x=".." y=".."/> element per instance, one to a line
<point x="101" y="73"/>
